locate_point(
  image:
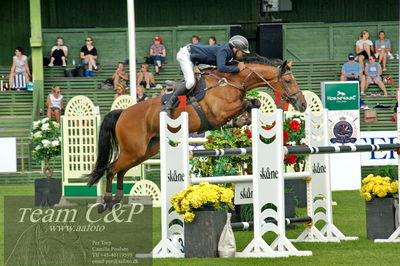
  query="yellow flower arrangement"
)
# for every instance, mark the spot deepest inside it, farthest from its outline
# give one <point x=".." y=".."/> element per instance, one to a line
<point x="202" y="195"/>
<point x="377" y="186"/>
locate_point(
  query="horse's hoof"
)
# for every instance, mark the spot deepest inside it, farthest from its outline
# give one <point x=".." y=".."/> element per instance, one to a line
<point x="257" y="103"/>
<point x="101" y="208"/>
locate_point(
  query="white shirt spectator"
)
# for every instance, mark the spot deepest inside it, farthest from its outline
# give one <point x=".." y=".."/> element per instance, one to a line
<point x="65" y="48"/>
<point x="360" y="43"/>
<point x="56" y="102"/>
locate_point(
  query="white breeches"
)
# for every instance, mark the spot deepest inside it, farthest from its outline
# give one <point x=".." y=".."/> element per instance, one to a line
<point x="186" y="64"/>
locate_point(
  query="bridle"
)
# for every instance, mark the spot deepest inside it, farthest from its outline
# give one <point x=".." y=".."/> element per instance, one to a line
<point x="287" y="95"/>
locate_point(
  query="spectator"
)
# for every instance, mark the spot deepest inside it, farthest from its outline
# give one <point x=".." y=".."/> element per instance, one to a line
<point x="364" y="47"/>
<point x="55" y="103"/>
<point x="140" y="95"/>
<point x="383" y="49"/>
<point x="88" y="55"/>
<point x="352" y="71"/>
<point x="120" y="76"/>
<point x="166" y="90"/>
<point x="373" y="72"/>
<point x="145" y="78"/>
<point x="20" y="67"/>
<point x="212" y="40"/>
<point x="120" y="90"/>
<point x="195" y="39"/>
<point x="59" y="53"/>
<point x="158" y="53"/>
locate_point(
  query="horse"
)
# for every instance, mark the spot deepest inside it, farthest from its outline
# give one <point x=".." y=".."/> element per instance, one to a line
<point x="131" y="136"/>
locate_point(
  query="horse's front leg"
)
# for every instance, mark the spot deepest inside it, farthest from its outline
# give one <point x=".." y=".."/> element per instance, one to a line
<point x="244" y="119"/>
<point x="250" y="104"/>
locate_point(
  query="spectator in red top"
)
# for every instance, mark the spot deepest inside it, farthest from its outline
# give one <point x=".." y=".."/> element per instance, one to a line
<point x="158" y="53"/>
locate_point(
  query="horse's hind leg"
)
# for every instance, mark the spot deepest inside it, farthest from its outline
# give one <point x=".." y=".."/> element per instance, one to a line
<point x="125" y="161"/>
<point x="119" y="194"/>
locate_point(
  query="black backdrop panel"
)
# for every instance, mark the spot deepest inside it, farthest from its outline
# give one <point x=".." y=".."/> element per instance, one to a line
<point x="270" y="40"/>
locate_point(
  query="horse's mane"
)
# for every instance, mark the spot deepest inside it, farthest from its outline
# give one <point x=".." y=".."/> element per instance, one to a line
<point x="258" y="59"/>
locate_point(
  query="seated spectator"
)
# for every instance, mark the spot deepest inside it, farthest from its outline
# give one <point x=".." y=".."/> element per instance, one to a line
<point x="59" y="53"/>
<point x="212" y="40"/>
<point x="88" y="56"/>
<point x="158" y="53"/>
<point x="364" y="47"/>
<point x="120" y="90"/>
<point x="167" y="90"/>
<point x="352" y="71"/>
<point x="120" y="76"/>
<point x="383" y="49"/>
<point x="373" y="72"/>
<point x="19" y="68"/>
<point x="144" y="77"/>
<point x="140" y="95"/>
<point x="195" y="39"/>
<point x="55" y="103"/>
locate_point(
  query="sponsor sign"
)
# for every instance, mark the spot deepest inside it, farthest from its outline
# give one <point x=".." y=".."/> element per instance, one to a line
<point x="343" y="127"/>
<point x="342" y="95"/>
<point x="8" y="158"/>
<point x="243" y="193"/>
<point x="378" y="157"/>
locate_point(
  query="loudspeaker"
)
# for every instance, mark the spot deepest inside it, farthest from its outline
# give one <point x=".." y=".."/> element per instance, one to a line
<point x="270" y="40"/>
<point x="236" y="30"/>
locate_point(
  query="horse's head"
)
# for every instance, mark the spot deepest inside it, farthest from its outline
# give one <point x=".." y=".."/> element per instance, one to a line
<point x="279" y="79"/>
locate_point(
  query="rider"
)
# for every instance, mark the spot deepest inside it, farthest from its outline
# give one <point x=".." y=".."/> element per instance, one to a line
<point x="217" y="55"/>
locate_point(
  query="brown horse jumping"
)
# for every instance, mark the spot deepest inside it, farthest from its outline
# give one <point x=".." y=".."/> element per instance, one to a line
<point x="135" y="131"/>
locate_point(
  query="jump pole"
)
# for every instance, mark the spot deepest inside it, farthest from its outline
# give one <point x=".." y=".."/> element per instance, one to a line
<point x="294" y="220"/>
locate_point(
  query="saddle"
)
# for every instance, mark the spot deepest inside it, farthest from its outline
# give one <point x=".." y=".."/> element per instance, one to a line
<point x="196" y="94"/>
<point x="193" y="97"/>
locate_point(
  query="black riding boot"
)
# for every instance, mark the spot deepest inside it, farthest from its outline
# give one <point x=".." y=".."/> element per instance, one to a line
<point x="169" y="106"/>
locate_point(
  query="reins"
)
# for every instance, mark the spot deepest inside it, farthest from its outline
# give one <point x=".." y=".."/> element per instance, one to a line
<point x="224" y="82"/>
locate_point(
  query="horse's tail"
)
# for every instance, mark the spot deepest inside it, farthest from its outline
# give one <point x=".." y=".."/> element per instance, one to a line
<point x="107" y="147"/>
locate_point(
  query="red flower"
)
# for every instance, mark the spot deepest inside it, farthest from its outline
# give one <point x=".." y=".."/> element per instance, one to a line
<point x="290" y="159"/>
<point x="294" y="125"/>
<point x="269" y="127"/>
<point x="237" y="133"/>
<point x="247" y="171"/>
<point x="285" y="136"/>
<point x="303" y="144"/>
<point x="232" y="129"/>
<point x="209" y="140"/>
<point x="248" y="132"/>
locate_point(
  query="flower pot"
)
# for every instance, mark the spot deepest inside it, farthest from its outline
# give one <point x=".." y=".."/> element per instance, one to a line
<point x="380" y="218"/>
<point x="47" y="191"/>
<point x="290" y="205"/>
<point x="202" y="235"/>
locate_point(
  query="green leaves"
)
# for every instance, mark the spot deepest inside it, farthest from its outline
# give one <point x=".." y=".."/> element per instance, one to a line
<point x="45" y="139"/>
